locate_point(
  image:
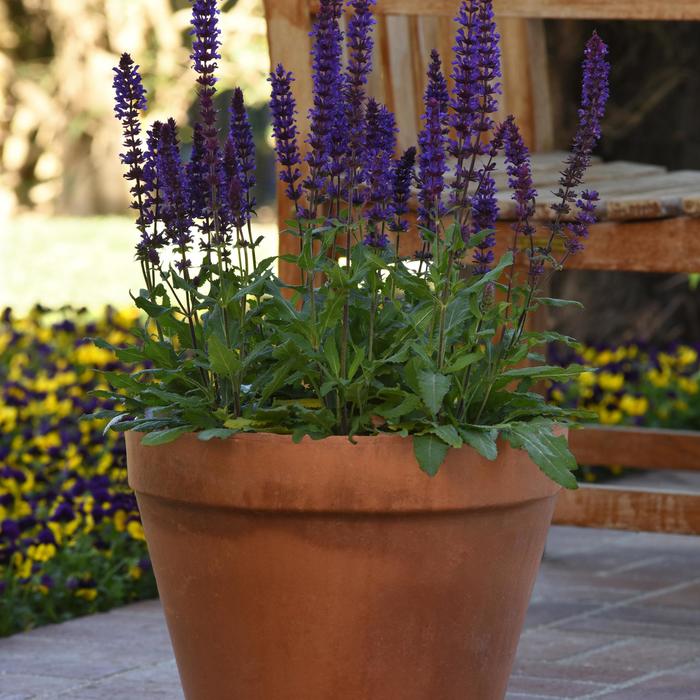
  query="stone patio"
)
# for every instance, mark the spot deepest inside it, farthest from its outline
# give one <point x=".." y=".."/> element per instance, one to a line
<point x="614" y="615"/>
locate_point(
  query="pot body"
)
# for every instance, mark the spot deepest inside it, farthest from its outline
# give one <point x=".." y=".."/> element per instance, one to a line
<point x="326" y="570"/>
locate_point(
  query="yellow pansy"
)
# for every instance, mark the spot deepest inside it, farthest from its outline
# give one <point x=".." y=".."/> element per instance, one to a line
<point x="634" y="406"/>
<point x="687" y="356"/>
<point x="135" y="529"/>
<point x="610" y="381"/>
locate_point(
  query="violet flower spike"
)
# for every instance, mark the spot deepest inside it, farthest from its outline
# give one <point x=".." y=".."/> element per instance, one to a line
<point x="175" y="209"/>
<point x="242" y="135"/>
<point x="476" y="69"/>
<point x="594" y="97"/>
<point x="205" y="54"/>
<point x="432" y="164"/>
<point x="359" y="48"/>
<point x="437" y="85"/>
<point x="129" y="102"/>
<point x="578" y="230"/>
<point x="326" y="76"/>
<point x="197" y="170"/>
<point x="285" y="132"/>
<point x="484" y="216"/>
<point x="519" y="171"/>
<point x="403" y="175"/>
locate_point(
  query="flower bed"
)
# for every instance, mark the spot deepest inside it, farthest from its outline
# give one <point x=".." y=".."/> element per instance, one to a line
<point x="632" y="384"/>
<point x="71" y="540"/>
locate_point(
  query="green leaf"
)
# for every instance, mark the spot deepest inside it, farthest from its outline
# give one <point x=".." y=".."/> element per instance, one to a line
<point x="238" y="423"/>
<point x="483" y="441"/>
<point x="430" y="452"/>
<point x="545" y="372"/>
<point x="224" y="360"/>
<point x="462" y="362"/>
<point x="548" y="451"/>
<point x="408" y="404"/>
<point x="221" y="433"/>
<point x="330" y="352"/>
<point x="558" y="303"/>
<point x="433" y="387"/>
<point x="448" y="434"/>
<point x="161" y="437"/>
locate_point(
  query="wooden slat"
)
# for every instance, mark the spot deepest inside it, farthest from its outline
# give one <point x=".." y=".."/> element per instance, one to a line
<point x="554" y="9"/>
<point x="643" y="448"/>
<point x="518" y="94"/>
<point x="626" y="509"/>
<point x="288" y="25"/>
<point x="405" y="102"/>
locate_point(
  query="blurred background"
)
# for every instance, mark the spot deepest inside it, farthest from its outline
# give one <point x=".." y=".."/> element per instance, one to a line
<point x="65" y="234"/>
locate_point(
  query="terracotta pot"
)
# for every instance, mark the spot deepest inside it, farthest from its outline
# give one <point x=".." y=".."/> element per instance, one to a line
<point x="327" y="570"/>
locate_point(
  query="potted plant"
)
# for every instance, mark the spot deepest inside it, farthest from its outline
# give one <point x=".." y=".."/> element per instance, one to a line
<point x="346" y="483"/>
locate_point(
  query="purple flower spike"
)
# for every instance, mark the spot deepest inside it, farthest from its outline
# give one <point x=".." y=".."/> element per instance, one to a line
<point x="198" y="175"/>
<point x="376" y="239"/>
<point x="242" y="135"/>
<point x="484" y="215"/>
<point x="381" y="127"/>
<point x="359" y="47"/>
<point x="175" y="209"/>
<point x="437" y="85"/>
<point x="578" y="230"/>
<point x="594" y="96"/>
<point x="285" y="132"/>
<point x="205" y="54"/>
<point x="432" y="164"/>
<point x="476" y="68"/>
<point x="233" y="186"/>
<point x="326" y="76"/>
<point x="129" y="102"/>
<point x="519" y="176"/>
<point x="403" y="174"/>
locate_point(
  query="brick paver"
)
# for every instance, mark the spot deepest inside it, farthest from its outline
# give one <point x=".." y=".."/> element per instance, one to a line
<point x="613" y="615"/>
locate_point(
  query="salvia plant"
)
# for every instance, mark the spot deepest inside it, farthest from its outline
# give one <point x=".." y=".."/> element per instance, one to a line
<point x="374" y="338"/>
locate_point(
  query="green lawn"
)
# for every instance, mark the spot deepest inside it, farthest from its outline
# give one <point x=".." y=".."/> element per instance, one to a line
<point x="80" y="261"/>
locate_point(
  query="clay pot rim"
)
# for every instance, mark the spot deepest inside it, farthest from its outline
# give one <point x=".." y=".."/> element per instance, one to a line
<point x="378" y="474"/>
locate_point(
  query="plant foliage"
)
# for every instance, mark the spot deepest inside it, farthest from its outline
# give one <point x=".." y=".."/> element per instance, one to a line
<point x="369" y="337"/>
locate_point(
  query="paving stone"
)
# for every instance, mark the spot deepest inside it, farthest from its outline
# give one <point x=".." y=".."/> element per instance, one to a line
<point x="613" y="616"/>
<point x="553" y="687"/>
<point x="22" y="685"/>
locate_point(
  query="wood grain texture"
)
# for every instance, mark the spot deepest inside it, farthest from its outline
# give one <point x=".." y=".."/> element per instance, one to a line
<point x="553" y="9"/>
<point x="643" y="448"/>
<point x="288" y="23"/>
<point x="671" y="512"/>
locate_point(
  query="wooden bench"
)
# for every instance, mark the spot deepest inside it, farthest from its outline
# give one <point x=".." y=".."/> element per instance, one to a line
<point x="650" y="218"/>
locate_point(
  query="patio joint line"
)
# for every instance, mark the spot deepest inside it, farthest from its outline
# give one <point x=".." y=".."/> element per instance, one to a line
<point x="87" y="683"/>
<point x="630" y="567"/>
<point x="613" y="606"/>
<point x="692" y="664"/>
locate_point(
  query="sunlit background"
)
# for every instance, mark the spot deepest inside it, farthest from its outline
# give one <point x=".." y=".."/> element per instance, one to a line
<point x="66" y="236"/>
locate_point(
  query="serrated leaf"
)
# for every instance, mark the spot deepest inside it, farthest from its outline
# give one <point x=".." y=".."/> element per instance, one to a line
<point x="462" y="362"/>
<point x="433" y="387"/>
<point x="548" y="451"/>
<point x="558" y="303"/>
<point x="224" y="360"/>
<point x="162" y="437"/>
<point x="545" y="372"/>
<point x="238" y="423"/>
<point x="448" y="434"/>
<point x="408" y="404"/>
<point x="220" y="433"/>
<point x="430" y="452"/>
<point x="483" y="441"/>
